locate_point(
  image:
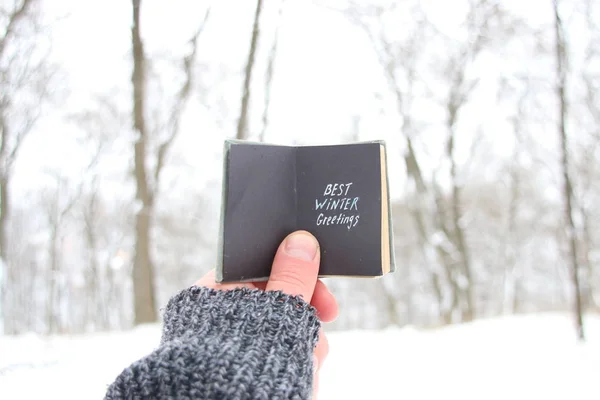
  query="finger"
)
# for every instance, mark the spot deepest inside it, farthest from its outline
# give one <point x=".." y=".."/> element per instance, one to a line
<point x="208" y="280"/>
<point x="322" y="349"/>
<point x="296" y="266"/>
<point x="261" y="285"/>
<point x="325" y="303"/>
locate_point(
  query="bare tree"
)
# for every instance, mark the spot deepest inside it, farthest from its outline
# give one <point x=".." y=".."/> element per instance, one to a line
<point x="100" y="126"/>
<point x="143" y="270"/>
<point x="437" y="211"/>
<point x="22" y="308"/>
<point x="22" y="69"/>
<point x="478" y="22"/>
<point x="400" y="61"/>
<point x="146" y="178"/>
<point x="242" y="127"/>
<point x="591" y="83"/>
<point x="561" y="54"/>
<point x="59" y="203"/>
<point x="94" y="314"/>
<point x="510" y="292"/>
<point x="103" y="238"/>
<point x="510" y="287"/>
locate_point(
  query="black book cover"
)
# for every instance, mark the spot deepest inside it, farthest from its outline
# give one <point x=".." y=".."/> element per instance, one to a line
<point x="339" y="193"/>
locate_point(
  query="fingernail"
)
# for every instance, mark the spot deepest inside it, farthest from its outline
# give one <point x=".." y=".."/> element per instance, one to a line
<point x="302" y="246"/>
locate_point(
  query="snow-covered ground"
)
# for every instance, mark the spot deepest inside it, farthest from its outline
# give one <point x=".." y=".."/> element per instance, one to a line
<point x="523" y="357"/>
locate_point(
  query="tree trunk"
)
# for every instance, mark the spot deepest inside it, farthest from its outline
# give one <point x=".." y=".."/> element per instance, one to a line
<point x="143" y="271"/>
<point x="587" y="295"/>
<point x="93" y="316"/>
<point x="447" y="256"/>
<point x="561" y="70"/>
<point x="439" y="265"/>
<point x="52" y="300"/>
<point x="509" y="285"/>
<point x="4" y="269"/>
<point x="242" y="128"/>
<point x="468" y="287"/>
<point x="14" y="13"/>
<point x="4" y="213"/>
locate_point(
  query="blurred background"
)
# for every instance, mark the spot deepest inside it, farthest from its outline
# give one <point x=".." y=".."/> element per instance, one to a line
<point x="113" y="116"/>
<point x="112" y="128"/>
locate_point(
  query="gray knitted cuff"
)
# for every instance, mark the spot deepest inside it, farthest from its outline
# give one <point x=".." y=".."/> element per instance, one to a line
<point x="267" y="316"/>
<point x="250" y="344"/>
<point x="241" y="344"/>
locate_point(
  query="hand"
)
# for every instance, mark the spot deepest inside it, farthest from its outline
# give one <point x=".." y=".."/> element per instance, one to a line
<point x="295" y="272"/>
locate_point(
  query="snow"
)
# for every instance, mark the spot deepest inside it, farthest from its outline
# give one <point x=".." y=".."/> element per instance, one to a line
<point x="517" y="357"/>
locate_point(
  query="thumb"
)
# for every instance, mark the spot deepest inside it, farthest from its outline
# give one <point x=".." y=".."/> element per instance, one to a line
<point x="296" y="266"/>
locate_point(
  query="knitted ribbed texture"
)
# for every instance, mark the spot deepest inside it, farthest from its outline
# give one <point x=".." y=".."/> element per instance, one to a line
<point x="238" y="344"/>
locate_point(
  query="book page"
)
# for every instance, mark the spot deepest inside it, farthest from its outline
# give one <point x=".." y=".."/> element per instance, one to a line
<point x="259" y="209"/>
<point x="339" y="201"/>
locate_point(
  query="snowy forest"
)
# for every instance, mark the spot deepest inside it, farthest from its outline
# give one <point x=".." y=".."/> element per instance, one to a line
<point x="113" y="116"/>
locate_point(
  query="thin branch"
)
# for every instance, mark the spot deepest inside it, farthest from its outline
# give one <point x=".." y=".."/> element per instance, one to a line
<point x="181" y="100"/>
<point x="242" y="128"/>
<point x="567" y="190"/>
<point x="17" y="15"/>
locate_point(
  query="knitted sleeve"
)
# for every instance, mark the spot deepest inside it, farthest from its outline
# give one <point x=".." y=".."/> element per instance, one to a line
<point x="238" y="344"/>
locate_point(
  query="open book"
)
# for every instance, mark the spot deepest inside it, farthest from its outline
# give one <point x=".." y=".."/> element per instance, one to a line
<point x="339" y="193"/>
